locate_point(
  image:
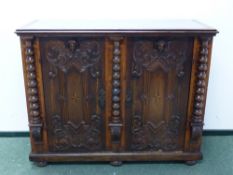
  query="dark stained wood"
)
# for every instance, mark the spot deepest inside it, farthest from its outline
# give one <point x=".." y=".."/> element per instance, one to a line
<point x="191" y="93"/>
<point x="74" y="93"/>
<point x="116" y="95"/>
<point x="41" y="93"/>
<point x="159" y="75"/>
<point x="124" y="81"/>
<point x="112" y="156"/>
<point x="108" y="94"/>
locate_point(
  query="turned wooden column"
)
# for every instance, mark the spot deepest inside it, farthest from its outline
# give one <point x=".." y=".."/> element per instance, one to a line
<point x="200" y="92"/>
<point x="116" y="120"/>
<point x="35" y="122"/>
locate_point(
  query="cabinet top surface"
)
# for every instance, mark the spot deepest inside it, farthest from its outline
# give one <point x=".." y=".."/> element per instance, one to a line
<point x="115" y="26"/>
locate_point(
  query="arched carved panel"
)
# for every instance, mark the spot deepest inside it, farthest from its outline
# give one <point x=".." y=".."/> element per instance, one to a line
<point x="74" y="93"/>
<point x="159" y="76"/>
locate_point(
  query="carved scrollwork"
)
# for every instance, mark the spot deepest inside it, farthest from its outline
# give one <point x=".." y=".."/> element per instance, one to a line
<point x="35" y="122"/>
<point x="198" y="109"/>
<point x="83" y="137"/>
<point x="149" y="55"/>
<point x="80" y="55"/>
<point x="150" y="137"/>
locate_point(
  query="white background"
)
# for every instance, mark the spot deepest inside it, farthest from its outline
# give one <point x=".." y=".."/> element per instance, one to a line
<point x="216" y="13"/>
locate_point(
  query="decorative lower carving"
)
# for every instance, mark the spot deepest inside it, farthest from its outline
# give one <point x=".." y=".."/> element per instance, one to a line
<point x="150" y="137"/>
<point x="115" y="129"/>
<point x="149" y="55"/>
<point x="35" y="123"/>
<point x="198" y="109"/>
<point x="196" y="130"/>
<point x="81" y="137"/>
<point x="115" y="125"/>
<point x="78" y="54"/>
<point x="36" y="130"/>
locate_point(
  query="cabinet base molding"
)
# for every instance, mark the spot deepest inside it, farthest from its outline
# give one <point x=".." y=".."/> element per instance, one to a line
<point x="111" y="156"/>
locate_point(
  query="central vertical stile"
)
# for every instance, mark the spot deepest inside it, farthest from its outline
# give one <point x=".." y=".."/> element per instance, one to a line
<point x="116" y="121"/>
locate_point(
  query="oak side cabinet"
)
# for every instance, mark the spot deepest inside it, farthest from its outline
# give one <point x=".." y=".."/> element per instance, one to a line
<point x="116" y="90"/>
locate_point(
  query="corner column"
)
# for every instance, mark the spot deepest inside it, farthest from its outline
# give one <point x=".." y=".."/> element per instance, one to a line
<point x="35" y="122"/>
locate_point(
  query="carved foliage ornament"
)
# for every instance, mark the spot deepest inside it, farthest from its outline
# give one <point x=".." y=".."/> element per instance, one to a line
<point x="149" y="55"/>
<point x="152" y="137"/>
<point x="82" y="137"/>
<point x="80" y="55"/>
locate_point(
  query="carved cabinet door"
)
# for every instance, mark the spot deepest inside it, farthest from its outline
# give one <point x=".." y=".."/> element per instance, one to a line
<point x="158" y="76"/>
<point x="73" y="72"/>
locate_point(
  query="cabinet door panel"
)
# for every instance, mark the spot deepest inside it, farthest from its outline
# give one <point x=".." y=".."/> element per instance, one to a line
<point x="158" y="75"/>
<point x="74" y="93"/>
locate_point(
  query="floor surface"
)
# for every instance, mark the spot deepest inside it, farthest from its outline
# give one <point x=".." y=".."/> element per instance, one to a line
<point x="217" y="152"/>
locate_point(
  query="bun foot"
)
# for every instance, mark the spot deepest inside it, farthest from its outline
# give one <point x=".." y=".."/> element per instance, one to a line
<point x="191" y="162"/>
<point x="116" y="163"/>
<point x="41" y="163"/>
